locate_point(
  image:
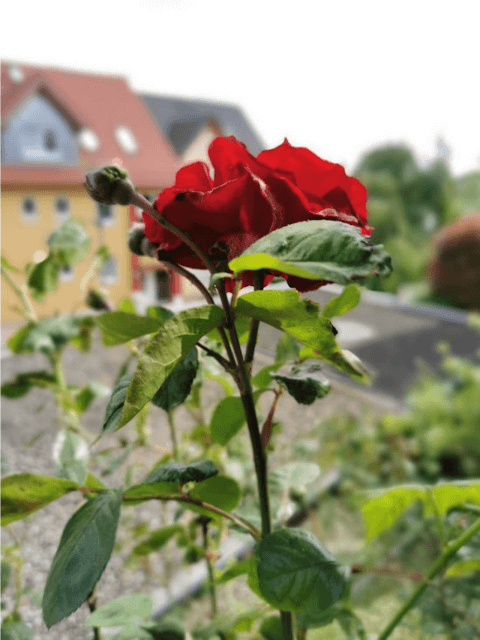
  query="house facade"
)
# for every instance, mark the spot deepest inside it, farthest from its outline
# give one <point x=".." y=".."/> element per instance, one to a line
<point x="56" y="126"/>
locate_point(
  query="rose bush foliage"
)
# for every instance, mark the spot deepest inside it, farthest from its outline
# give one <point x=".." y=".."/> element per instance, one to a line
<point x="250" y="197"/>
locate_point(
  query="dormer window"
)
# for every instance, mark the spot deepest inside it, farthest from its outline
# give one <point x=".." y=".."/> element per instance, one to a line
<point x="50" y="141"/>
<point x="88" y="140"/>
<point x="125" y="138"/>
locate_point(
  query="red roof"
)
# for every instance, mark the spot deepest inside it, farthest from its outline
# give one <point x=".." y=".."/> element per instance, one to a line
<point x="97" y="102"/>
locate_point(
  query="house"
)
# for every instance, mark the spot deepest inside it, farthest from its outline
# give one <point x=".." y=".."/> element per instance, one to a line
<point x="190" y="126"/>
<point x="56" y="126"/>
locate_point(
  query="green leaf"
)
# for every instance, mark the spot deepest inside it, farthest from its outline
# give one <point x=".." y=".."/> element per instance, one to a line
<point x="216" y="277"/>
<point x="227" y="419"/>
<point x="70" y="243"/>
<point x="6" y="571"/>
<point x="82" y="555"/>
<point x="156" y="540"/>
<point x="343" y="360"/>
<point x="43" y="278"/>
<point x="242" y="327"/>
<point x="126" y="306"/>
<point x="83" y="341"/>
<point x="16" y="631"/>
<point x="382" y="510"/>
<point x="271" y="628"/>
<point x="25" y="493"/>
<point x="346" y="301"/>
<point x="47" y="335"/>
<point x="293" y="475"/>
<point x="132" y="609"/>
<point x="297" y="573"/>
<point x="315" y="619"/>
<point x="305" y="383"/>
<point x="87" y="394"/>
<point x="113" y="412"/>
<point x="287" y="311"/>
<point x="463" y="567"/>
<point x="147" y="491"/>
<point x="23" y="382"/>
<point x="219" y="491"/>
<point x="6" y="265"/>
<point x="287" y="349"/>
<point x="263" y="379"/>
<point x="159" y="312"/>
<point x="166" y="631"/>
<point x="176" y="388"/>
<point x="316" y="250"/>
<point x="164" y="352"/>
<point x="180" y="473"/>
<point x="118" y="327"/>
<point x="71" y="455"/>
<point x="238" y="569"/>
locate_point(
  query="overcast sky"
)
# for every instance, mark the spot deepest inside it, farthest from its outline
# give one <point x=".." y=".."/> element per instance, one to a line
<point x="337" y="77"/>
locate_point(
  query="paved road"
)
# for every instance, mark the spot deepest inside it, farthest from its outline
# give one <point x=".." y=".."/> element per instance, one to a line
<point x="393" y="338"/>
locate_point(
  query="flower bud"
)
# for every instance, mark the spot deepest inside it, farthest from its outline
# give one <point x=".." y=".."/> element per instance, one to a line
<point x="98" y="301"/>
<point x="139" y="244"/>
<point x="110" y="185"/>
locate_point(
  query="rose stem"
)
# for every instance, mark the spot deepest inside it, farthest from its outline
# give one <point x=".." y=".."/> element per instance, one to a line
<point x="435" y="568"/>
<point x="150" y="210"/>
<point x="258" y="278"/>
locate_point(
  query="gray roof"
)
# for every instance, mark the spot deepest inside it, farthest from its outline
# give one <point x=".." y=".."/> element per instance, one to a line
<point x="180" y="119"/>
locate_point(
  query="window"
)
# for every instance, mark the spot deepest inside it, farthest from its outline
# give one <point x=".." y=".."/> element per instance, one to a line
<point x="67" y="274"/>
<point x="29" y="208"/>
<point x="125" y="138"/>
<point x="109" y="273"/>
<point x="105" y="215"/>
<point x="50" y="141"/>
<point x="62" y="208"/>
<point x="88" y="140"/>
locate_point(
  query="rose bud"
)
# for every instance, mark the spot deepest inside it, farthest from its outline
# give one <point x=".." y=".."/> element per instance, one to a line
<point x="139" y="244"/>
<point x="110" y="185"/>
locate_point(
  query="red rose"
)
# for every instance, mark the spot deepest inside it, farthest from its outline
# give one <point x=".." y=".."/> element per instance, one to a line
<point x="250" y="197"/>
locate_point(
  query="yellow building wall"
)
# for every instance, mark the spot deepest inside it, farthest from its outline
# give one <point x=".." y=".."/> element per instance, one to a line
<point x="25" y="241"/>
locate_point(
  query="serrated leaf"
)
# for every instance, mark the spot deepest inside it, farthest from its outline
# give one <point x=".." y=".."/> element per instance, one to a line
<point x="463" y="567"/>
<point x="317" y="619"/>
<point x="180" y="473"/>
<point x="113" y="412"/>
<point x="70" y="242"/>
<point x="134" y="608"/>
<point x="24" y="493"/>
<point x="299" y="317"/>
<point x="382" y="510"/>
<point x="297" y="573"/>
<point x="164" y="352"/>
<point x="305" y="383"/>
<point x="346" y="301"/>
<point x="293" y="475"/>
<point x="43" y="278"/>
<point x="23" y="382"/>
<point x="82" y="555"/>
<point x="316" y="250"/>
<point x="176" y="388"/>
<point x="156" y="540"/>
<point x="219" y="491"/>
<point x="118" y="327"/>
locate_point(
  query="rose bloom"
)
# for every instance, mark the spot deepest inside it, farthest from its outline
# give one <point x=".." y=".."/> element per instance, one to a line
<point x="250" y="197"/>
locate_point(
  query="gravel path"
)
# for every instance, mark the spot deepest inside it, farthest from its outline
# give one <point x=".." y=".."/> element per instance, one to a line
<point x="22" y="419"/>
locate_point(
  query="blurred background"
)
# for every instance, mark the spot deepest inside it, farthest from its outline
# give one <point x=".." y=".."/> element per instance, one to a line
<point x="388" y="94"/>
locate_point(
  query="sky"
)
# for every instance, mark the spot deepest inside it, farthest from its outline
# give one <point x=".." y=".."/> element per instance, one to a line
<point x="340" y="78"/>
